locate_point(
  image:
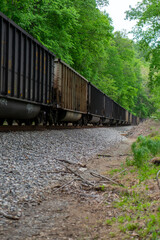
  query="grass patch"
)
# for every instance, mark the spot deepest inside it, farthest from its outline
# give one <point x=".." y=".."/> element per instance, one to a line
<point x="139" y="211"/>
<point x="145" y="148"/>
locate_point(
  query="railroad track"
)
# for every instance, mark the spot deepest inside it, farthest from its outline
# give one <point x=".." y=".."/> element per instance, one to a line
<point x="16" y="128"/>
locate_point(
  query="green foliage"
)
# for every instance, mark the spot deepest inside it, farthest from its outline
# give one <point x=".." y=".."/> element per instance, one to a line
<point x="147" y="33"/>
<point x="145" y="148"/>
<point x="139" y="217"/>
<point x="82" y="35"/>
<point x="102" y="187"/>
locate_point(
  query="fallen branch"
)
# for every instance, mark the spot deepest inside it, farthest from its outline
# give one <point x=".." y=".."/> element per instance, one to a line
<point x="78" y="175"/>
<point x="9" y="216"/>
<point x="66" y="161"/>
<point x="108" y="155"/>
<point x="121" y="155"/>
<point x="108" y="179"/>
<point x="104" y="155"/>
<point x="63" y="186"/>
<point x="158" y="179"/>
<point x="110" y="166"/>
<point x="119" y="173"/>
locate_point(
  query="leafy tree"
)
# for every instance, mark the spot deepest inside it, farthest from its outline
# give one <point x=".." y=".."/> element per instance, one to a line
<point x="50" y="21"/>
<point x="147" y="14"/>
<point x="90" y="39"/>
<point x="81" y="35"/>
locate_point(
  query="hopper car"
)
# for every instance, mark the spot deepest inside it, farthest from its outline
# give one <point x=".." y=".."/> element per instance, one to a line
<point x="35" y="87"/>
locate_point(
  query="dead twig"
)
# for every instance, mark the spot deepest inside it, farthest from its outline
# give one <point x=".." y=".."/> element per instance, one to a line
<point x="122" y="155"/>
<point x="119" y="173"/>
<point x="104" y="155"/>
<point x="78" y="175"/>
<point x="108" y="155"/>
<point x="9" y="216"/>
<point x="110" y="166"/>
<point x="69" y="162"/>
<point x="64" y="160"/>
<point x="108" y="179"/>
<point x="158" y="179"/>
<point x="63" y="186"/>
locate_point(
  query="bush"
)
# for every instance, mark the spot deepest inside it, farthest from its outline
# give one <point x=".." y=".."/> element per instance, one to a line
<point x="145" y="148"/>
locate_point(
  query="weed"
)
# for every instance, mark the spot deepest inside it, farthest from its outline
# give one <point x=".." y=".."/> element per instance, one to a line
<point x="129" y="162"/>
<point x="139" y="213"/>
<point x="131" y="226"/>
<point x="144" y="149"/>
<point x="112" y="234"/>
<point x="122" y="228"/>
<point x="102" y="187"/>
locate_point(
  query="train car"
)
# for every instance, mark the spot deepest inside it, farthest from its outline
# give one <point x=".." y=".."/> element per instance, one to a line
<point x="115" y="113"/>
<point x="134" y="120"/>
<point x="108" y="110"/>
<point x="119" y="115"/>
<point x="123" y="115"/>
<point x="70" y="93"/>
<point x="96" y="105"/>
<point x="127" y="117"/>
<point x="36" y="87"/>
<point x="138" y="120"/>
<point x="26" y="74"/>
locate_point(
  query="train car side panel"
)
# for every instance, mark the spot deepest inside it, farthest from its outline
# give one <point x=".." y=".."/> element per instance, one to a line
<point x="26" y="67"/>
<point x="96" y="101"/>
<point x="70" y="88"/>
<point x="108" y="107"/>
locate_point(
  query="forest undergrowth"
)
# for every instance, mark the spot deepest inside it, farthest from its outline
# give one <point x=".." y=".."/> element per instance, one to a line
<point x="139" y="204"/>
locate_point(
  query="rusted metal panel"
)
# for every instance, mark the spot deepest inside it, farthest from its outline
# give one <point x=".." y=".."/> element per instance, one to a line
<point x="134" y="120"/>
<point x="26" y="66"/>
<point x="70" y="88"/>
<point x="130" y="118"/>
<point x="127" y="116"/>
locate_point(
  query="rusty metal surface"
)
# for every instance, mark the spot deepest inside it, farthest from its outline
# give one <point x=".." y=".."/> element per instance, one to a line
<point x="70" y="88"/>
<point x="127" y="116"/>
<point x="134" y="120"/>
<point x="26" y="66"/>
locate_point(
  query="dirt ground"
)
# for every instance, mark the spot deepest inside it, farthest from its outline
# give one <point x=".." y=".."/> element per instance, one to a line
<point x="79" y="209"/>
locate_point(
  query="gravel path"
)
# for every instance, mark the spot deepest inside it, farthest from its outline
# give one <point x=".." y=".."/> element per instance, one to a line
<point x="28" y="159"/>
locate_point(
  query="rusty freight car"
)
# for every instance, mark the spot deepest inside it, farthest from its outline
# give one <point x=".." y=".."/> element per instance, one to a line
<point x="26" y="74"/>
<point x="70" y="91"/>
<point x="36" y="87"/>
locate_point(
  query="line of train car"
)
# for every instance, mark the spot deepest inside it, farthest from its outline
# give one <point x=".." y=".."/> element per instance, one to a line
<point x="37" y="87"/>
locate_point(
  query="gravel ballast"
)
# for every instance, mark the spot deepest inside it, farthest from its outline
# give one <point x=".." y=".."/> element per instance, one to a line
<point x="28" y="159"/>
